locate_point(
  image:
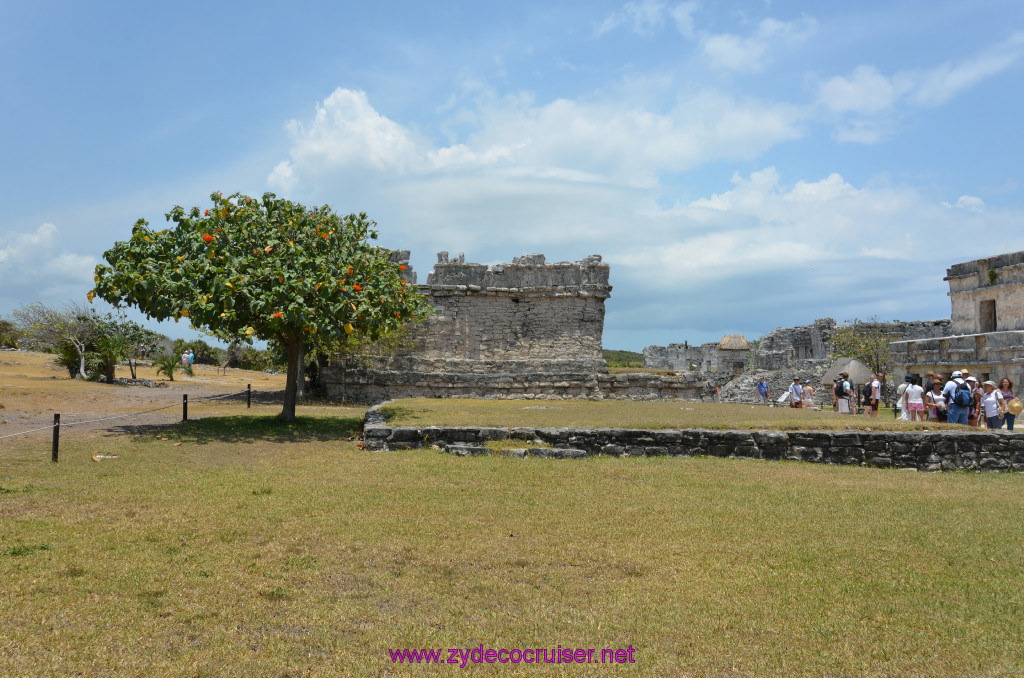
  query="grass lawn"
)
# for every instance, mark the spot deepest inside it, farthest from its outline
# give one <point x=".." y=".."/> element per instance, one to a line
<point x="253" y="549"/>
<point x="634" y="414"/>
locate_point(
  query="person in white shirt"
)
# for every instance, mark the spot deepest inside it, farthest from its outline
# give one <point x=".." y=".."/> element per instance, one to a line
<point x="936" y="402"/>
<point x="914" y="400"/>
<point x="993" y="405"/>
<point x="876" y="394"/>
<point x="900" y="400"/>
<point x="796" y="393"/>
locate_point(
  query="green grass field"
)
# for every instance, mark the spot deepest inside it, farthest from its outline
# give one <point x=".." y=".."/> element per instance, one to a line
<point x="253" y="549"/>
<point x="634" y="414"/>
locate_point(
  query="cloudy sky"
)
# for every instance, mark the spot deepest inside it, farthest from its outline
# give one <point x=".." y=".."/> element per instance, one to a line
<point x="741" y="165"/>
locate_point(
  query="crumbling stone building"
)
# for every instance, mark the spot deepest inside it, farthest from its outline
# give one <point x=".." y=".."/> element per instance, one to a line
<point x="987" y="323"/>
<point x="727" y="357"/>
<point x="526" y="329"/>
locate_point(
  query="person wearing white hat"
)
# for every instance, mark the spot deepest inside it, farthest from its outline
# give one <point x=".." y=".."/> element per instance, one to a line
<point x="958" y="398"/>
<point x="993" y="405"/>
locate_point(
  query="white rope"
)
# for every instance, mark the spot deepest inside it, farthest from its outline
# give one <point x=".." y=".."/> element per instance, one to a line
<point x="11" y="435"/>
<point x="116" y="416"/>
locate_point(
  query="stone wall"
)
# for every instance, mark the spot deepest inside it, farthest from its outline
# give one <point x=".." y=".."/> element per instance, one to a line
<point x="708" y="358"/>
<point x="996" y="280"/>
<point x="992" y="355"/>
<point x="922" y="451"/>
<point x="527" y="329"/>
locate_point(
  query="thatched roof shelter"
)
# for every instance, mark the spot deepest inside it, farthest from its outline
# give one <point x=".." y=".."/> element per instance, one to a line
<point x="734" y="342"/>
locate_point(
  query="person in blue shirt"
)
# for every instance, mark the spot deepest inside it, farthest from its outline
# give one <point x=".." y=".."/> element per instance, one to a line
<point x="956" y="414"/>
<point x="763" y="391"/>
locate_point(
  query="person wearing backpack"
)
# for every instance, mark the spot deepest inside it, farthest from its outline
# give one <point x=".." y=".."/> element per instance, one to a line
<point x="958" y="398"/>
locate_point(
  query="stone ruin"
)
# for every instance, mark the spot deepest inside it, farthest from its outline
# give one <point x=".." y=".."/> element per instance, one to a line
<point x="525" y="329"/>
<point x="986" y="331"/>
<point x="780" y="355"/>
<point x="529" y="329"/>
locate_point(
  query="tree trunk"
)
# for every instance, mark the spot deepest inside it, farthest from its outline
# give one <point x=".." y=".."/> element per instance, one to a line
<point x="81" y="361"/>
<point x="300" y="376"/>
<point x="293" y="347"/>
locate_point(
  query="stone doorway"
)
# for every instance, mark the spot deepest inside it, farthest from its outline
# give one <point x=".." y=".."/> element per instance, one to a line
<point x="987" y="315"/>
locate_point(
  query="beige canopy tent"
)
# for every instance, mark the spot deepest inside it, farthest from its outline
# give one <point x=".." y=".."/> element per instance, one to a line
<point x="859" y="372"/>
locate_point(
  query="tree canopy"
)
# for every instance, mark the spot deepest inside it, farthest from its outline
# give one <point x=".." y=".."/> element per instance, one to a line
<point x="263" y="268"/>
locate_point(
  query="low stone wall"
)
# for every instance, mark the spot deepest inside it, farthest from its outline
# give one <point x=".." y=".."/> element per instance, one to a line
<point x="921" y="451"/>
<point x="508" y="380"/>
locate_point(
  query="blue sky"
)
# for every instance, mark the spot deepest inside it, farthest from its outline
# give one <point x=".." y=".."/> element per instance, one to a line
<point x="742" y="165"/>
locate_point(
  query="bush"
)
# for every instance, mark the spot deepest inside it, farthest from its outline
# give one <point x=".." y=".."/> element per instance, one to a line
<point x="9" y="334"/>
<point x="166" y="364"/>
<point x="204" y="353"/>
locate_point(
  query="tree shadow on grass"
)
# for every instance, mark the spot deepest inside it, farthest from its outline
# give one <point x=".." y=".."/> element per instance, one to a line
<point x="254" y="428"/>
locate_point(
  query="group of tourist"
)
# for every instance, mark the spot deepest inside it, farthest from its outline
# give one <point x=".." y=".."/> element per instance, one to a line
<point x="960" y="400"/>
<point x="188" y="358"/>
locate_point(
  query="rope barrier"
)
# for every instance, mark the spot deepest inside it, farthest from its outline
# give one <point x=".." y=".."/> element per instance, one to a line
<point x="118" y="416"/>
<point x="21" y="433"/>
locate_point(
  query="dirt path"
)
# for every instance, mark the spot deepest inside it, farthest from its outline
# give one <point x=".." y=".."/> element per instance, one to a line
<point x="33" y="387"/>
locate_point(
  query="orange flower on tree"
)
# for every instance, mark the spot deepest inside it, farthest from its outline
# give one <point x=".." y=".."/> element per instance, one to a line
<point x="357" y="288"/>
<point x="277" y="315"/>
<point x="207" y="237"/>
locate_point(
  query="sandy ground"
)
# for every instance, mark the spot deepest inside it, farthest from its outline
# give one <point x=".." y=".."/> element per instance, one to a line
<point x="33" y="387"/>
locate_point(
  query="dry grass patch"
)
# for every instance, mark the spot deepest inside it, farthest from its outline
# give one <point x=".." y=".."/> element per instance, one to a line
<point x="632" y="414"/>
<point x="256" y="549"/>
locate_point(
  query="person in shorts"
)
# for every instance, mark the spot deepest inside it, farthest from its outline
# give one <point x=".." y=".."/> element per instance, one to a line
<point x="763" y="391"/>
<point x="796" y="393"/>
<point x="913" y="399"/>
<point x="844" y="391"/>
<point x="876" y="394"/>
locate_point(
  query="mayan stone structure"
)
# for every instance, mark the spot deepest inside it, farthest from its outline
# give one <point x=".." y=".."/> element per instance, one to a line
<point x="527" y="329"/>
<point x="727" y="357"/>
<point x="987" y="323"/>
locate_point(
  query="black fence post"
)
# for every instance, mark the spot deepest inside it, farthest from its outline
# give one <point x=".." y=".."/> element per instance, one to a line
<point x="56" y="437"/>
<point x="184" y="407"/>
<point x="248" y="395"/>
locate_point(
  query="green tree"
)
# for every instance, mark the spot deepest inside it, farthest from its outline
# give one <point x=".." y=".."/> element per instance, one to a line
<point x="55" y="330"/>
<point x="266" y="269"/>
<point x="119" y="339"/>
<point x="865" y="341"/>
<point x="9" y="334"/>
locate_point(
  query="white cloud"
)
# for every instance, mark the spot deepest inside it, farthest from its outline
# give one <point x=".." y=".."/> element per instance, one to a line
<point x="730" y="52"/>
<point x="936" y="86"/>
<point x="640" y="16"/>
<point x="347" y="131"/>
<point x="587" y="140"/>
<point x="968" y="202"/>
<point x="682" y="14"/>
<point x="35" y="266"/>
<point x="867" y="102"/>
<point x="760" y="225"/>
<point x="865" y="91"/>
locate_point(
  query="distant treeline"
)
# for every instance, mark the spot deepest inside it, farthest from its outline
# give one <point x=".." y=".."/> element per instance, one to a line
<point x="623" y="358"/>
